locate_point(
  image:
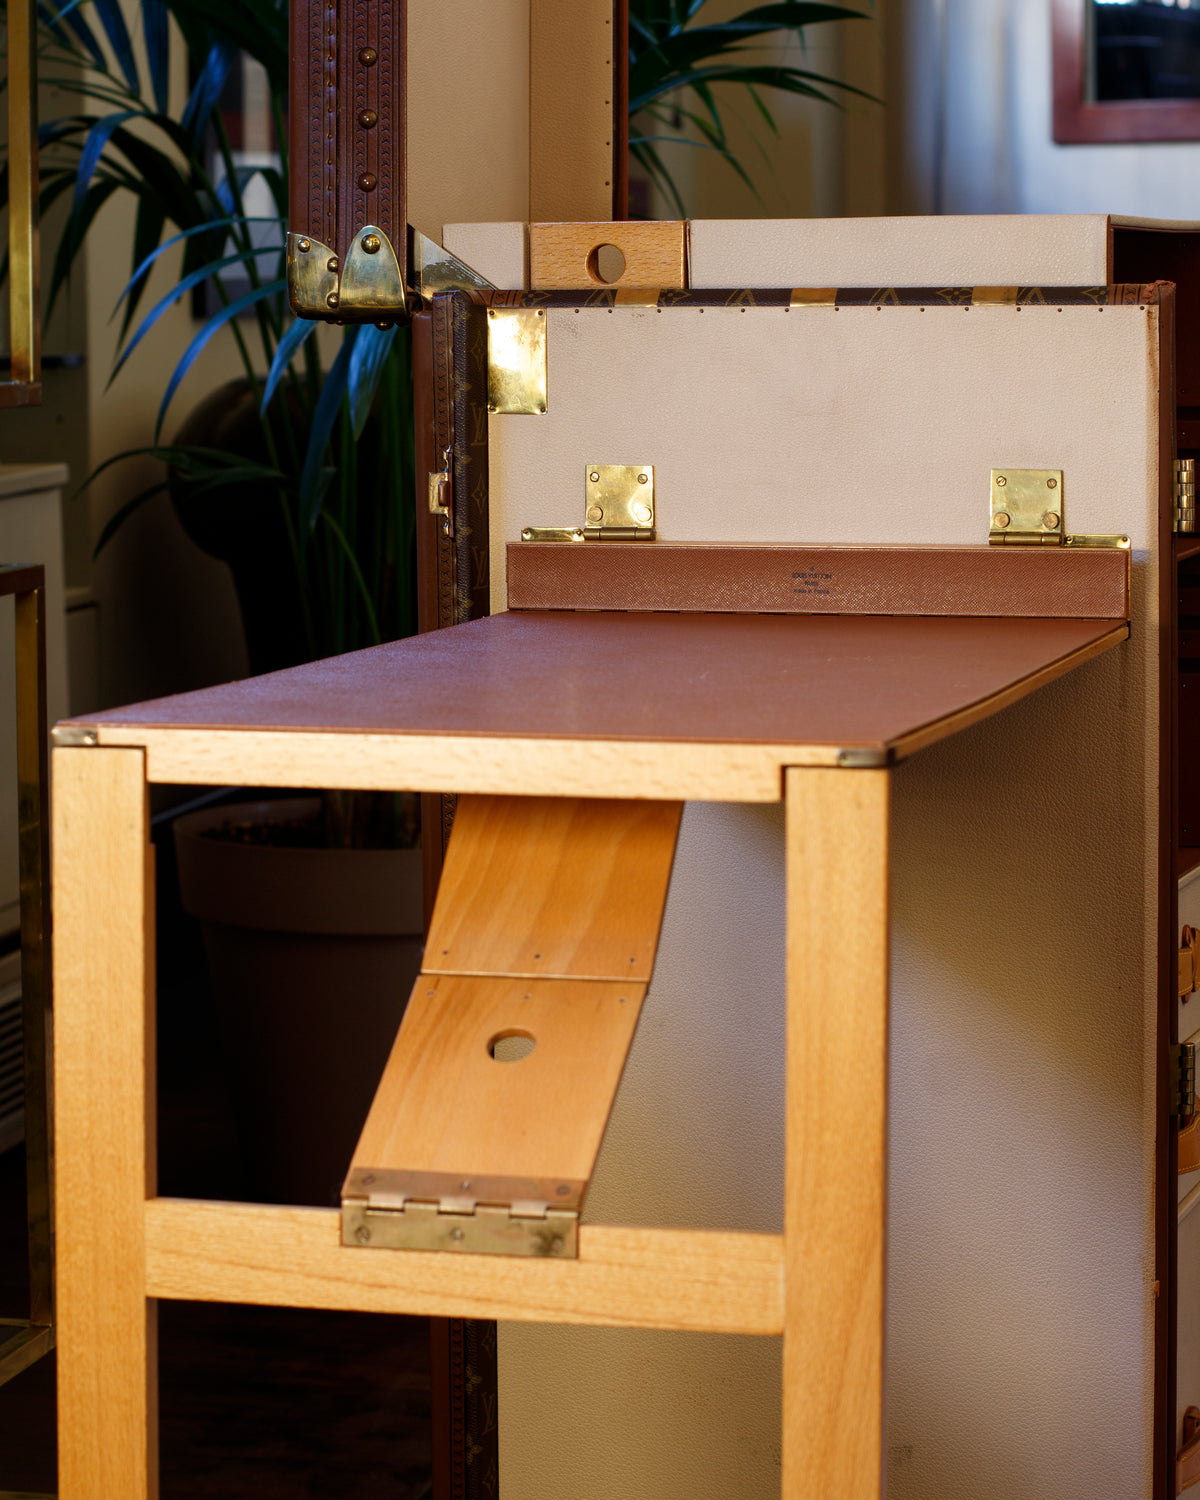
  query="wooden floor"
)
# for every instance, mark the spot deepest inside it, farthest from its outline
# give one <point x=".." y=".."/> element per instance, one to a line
<point x="275" y="1403"/>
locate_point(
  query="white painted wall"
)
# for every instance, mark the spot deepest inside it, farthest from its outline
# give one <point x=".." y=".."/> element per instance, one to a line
<point x="984" y="68"/>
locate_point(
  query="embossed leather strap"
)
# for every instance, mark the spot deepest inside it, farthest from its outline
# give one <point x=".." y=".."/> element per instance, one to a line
<point x="347" y="123"/>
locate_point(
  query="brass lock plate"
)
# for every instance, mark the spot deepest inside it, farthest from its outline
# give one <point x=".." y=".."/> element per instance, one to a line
<point x="517" y="361"/>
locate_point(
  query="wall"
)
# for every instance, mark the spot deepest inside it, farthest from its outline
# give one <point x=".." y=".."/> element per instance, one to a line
<point x="969" y="90"/>
<point x="825" y="161"/>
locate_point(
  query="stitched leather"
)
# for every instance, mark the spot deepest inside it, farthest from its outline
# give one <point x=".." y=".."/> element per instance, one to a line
<point x="1049" y="581"/>
<point x="347" y="119"/>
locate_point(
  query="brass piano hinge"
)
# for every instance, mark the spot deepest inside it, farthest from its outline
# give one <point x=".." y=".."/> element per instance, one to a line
<point x="390" y="1210"/>
<point x="1027" y="511"/>
<point x="1185" y="495"/>
<point x="618" y="506"/>
<point x="1183" y="1080"/>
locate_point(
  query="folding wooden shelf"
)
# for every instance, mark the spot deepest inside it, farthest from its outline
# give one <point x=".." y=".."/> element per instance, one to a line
<point x="625" y="707"/>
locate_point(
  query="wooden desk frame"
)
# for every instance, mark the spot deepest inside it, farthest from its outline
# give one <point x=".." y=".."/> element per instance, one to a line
<point x="821" y="1284"/>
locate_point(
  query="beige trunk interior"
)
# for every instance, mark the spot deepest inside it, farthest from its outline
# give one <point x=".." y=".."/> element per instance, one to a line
<point x="1024" y="895"/>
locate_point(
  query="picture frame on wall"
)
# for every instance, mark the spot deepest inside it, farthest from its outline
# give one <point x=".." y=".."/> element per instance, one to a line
<point x="1126" y="71"/>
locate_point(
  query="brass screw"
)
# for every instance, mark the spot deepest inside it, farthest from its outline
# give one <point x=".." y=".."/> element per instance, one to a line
<point x="366" y="181"/>
<point x="594" y="477"/>
<point x="332" y="299"/>
<point x="643" y="478"/>
<point x="562" y="1190"/>
<point x="641" y="513"/>
<point x="304" y="246"/>
<point x="367" y="118"/>
<point x="465" y="1185"/>
<point x="368" y="1179"/>
<point x="595" y="513"/>
<point x="332" y="263"/>
<point x="1000" y="479"/>
<point x="1001" y="519"/>
<point x="371" y="243"/>
<point x="362" y="1234"/>
<point x="493" y="409"/>
<point x="1052" y="484"/>
<point x="368" y="57"/>
<point x="456" y="1234"/>
<point x="1050" y="521"/>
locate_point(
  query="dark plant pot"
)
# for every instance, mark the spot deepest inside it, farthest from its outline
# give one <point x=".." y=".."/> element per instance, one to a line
<point x="312" y="954"/>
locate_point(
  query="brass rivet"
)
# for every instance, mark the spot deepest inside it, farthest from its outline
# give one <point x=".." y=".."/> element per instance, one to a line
<point x="304" y="246"/>
<point x="492" y="409"/>
<point x="1001" y="519"/>
<point x="456" y="1234"/>
<point x="366" y="181"/>
<point x="362" y="1234"/>
<point x="643" y="478"/>
<point x="332" y="263"/>
<point x="332" y="299"/>
<point x="642" y="514"/>
<point x="594" y="477"/>
<point x="1000" y="479"/>
<point x="368" y="57"/>
<point x="1052" y="484"/>
<point x="595" y="513"/>
<point x="1050" y="520"/>
<point x="367" y="118"/>
<point x="371" y="243"/>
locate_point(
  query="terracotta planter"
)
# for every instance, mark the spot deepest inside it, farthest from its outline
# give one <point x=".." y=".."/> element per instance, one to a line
<point x="312" y="954"/>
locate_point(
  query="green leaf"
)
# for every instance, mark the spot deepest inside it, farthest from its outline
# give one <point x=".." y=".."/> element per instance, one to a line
<point x="214" y="324"/>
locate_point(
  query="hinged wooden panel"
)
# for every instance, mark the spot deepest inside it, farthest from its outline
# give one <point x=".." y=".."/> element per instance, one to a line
<point x="553" y="886"/>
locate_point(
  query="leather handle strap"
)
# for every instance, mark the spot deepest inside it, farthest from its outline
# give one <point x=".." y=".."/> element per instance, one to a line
<point x="348" y="216"/>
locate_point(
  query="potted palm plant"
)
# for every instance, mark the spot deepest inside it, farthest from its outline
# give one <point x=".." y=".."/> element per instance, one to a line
<point x="299" y="475"/>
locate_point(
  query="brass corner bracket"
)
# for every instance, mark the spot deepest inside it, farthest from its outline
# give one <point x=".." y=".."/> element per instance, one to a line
<point x="369" y="288"/>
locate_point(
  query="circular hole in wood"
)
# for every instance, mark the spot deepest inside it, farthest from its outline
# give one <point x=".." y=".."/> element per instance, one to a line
<point x="606" y="264"/>
<point x="512" y="1045"/>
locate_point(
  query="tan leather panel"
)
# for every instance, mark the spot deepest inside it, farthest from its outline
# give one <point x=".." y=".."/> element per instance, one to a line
<point x="468" y="112"/>
<point x="1088" y="583"/>
<point x="803" y="679"/>
<point x="571" y="110"/>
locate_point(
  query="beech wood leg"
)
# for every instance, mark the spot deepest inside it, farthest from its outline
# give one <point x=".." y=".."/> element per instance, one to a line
<point x="104" y="1123"/>
<point x="836" y="1176"/>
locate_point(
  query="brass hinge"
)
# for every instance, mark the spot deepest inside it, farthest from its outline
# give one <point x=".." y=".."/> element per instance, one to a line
<point x="618" y="506"/>
<point x="1183" y="1079"/>
<point x="390" y="1210"/>
<point x="1185" y="495"/>
<point x="1027" y="511"/>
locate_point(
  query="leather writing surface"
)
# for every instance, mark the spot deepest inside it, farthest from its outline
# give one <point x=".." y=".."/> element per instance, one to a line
<point x="807" y="679"/>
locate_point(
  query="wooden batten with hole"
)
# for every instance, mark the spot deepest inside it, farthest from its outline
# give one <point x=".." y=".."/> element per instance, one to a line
<point x="488" y="1120"/>
<point x="568" y="257"/>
